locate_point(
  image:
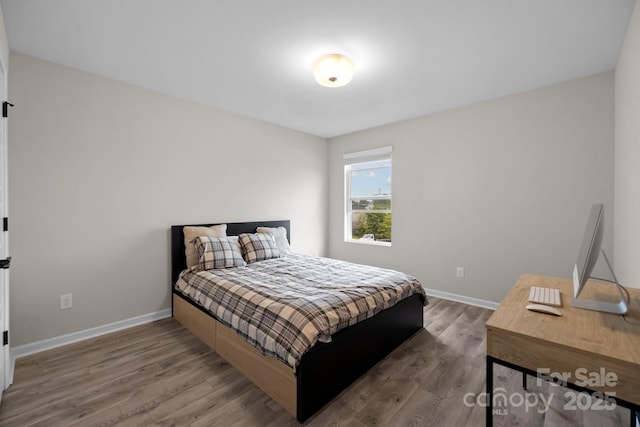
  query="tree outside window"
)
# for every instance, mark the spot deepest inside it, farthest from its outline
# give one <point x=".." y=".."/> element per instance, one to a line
<point x="368" y="188"/>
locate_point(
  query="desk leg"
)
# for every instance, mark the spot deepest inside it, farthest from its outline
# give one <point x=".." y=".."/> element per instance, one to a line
<point x="489" y="412"/>
<point x="524" y="380"/>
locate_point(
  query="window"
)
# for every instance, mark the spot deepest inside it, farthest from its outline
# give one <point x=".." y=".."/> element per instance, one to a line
<point x="367" y="177"/>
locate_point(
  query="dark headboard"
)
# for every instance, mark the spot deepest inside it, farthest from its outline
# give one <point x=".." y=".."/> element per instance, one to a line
<point x="178" y="260"/>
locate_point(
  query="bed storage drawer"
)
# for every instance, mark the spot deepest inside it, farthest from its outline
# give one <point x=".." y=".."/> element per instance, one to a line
<point x="270" y="375"/>
<point x="199" y="323"/>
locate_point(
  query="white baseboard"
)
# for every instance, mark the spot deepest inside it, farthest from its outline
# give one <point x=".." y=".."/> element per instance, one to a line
<point x="463" y="299"/>
<point x="49" y="343"/>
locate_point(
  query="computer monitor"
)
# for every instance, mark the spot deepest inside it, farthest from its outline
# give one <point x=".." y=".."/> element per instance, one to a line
<point x="590" y="250"/>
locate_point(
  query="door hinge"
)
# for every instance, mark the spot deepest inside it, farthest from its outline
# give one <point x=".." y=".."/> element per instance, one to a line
<point x="5" y="108"/>
<point x="5" y="338"/>
<point x="5" y="224"/>
<point x="5" y="263"/>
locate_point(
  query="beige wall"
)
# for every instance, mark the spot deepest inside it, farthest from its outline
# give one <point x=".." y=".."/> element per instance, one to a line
<point x="627" y="157"/>
<point x="99" y="170"/>
<point x="502" y="188"/>
<point x="4" y="43"/>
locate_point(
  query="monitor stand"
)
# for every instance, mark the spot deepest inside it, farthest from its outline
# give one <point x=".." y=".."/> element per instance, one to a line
<point x="620" y="307"/>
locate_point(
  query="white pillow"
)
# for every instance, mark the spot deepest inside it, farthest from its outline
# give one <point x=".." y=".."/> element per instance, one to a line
<point x="280" y="235"/>
<point x="190" y="234"/>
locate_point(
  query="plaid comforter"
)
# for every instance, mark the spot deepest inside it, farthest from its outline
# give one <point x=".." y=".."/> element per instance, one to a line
<point x="284" y="306"/>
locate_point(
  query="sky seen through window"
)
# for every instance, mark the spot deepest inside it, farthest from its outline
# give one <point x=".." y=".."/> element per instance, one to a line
<point x="371" y="178"/>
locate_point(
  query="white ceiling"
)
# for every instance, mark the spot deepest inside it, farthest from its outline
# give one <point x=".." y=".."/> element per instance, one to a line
<point x="253" y="57"/>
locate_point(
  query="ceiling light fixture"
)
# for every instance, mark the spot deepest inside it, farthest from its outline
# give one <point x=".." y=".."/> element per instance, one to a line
<point x="333" y="70"/>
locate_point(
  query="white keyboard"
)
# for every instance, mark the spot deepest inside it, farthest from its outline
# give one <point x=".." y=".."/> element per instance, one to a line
<point x="547" y="296"/>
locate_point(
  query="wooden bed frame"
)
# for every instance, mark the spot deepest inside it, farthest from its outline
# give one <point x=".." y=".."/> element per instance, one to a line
<point x="325" y="370"/>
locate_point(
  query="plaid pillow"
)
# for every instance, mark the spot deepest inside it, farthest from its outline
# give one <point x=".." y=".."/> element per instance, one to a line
<point x="217" y="252"/>
<point x="258" y="247"/>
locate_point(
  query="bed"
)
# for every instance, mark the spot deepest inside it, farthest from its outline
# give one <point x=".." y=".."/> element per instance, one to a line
<point x="322" y="371"/>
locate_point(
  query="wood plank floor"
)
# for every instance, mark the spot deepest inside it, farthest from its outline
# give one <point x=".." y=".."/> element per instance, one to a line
<point x="160" y="374"/>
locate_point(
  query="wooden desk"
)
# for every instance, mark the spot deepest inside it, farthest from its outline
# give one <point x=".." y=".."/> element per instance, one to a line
<point x="579" y="339"/>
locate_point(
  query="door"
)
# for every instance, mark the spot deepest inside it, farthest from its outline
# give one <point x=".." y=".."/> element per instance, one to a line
<point x="6" y="368"/>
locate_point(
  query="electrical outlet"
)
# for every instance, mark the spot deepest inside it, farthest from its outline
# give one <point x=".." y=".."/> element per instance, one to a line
<point x="66" y="301"/>
<point x="460" y="272"/>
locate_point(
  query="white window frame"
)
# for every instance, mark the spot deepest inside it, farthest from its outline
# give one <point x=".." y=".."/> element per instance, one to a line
<point x="359" y="157"/>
